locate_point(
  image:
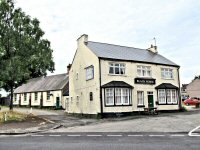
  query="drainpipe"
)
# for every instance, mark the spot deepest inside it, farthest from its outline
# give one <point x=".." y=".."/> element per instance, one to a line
<point x="179" y="95"/>
<point x="101" y="105"/>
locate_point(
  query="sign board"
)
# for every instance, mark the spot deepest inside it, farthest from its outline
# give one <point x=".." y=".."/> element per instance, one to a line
<point x="145" y="81"/>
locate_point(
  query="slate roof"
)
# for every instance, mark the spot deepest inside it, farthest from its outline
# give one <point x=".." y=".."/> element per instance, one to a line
<point x="48" y="83"/>
<point x="117" y="84"/>
<point x="166" y="86"/>
<point x="110" y="51"/>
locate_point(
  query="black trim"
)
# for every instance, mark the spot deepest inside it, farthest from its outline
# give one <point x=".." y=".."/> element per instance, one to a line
<point x="118" y="84"/>
<point x="100" y="92"/>
<point x="140" y="106"/>
<point x="166" y="86"/>
<point x="114" y="59"/>
<point x="169" y="104"/>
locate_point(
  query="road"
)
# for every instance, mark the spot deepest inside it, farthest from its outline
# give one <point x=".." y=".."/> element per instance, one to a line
<point x="101" y="141"/>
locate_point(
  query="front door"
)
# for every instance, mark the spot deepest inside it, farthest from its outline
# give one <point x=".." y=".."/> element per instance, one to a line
<point x="150" y="99"/>
<point x="57" y="102"/>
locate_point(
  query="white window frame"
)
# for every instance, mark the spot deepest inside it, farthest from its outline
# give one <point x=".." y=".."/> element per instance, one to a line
<point x="161" y="96"/>
<point x="109" y="96"/>
<point x="90" y="73"/>
<point x="48" y="95"/>
<point x="120" y="66"/>
<point x="167" y="73"/>
<point x="140" y="98"/>
<point x="144" y="71"/>
<point x="25" y="97"/>
<point x="36" y="96"/>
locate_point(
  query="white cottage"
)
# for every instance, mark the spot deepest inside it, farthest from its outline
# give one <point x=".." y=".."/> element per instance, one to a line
<point x="106" y="78"/>
<point x="43" y="92"/>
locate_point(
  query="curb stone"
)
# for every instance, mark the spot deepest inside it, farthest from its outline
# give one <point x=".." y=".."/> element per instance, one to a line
<point x="28" y="132"/>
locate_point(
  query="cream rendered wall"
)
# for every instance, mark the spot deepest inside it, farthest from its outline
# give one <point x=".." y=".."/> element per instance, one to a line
<point x="79" y="88"/>
<point x="51" y="102"/>
<point x="130" y="75"/>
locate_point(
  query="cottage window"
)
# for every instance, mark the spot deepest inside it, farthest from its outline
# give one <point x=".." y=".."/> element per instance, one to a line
<point x="144" y="71"/>
<point x="166" y="73"/>
<point x="116" y="68"/>
<point x="48" y="95"/>
<point x="89" y="72"/>
<point x="15" y="97"/>
<point x="25" y="96"/>
<point x="36" y="96"/>
<point x="140" y="97"/>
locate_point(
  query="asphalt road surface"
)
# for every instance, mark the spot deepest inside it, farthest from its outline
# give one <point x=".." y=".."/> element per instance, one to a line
<point x="101" y="141"/>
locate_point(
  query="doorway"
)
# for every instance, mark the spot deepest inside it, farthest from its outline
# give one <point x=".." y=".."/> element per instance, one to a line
<point x="150" y="99"/>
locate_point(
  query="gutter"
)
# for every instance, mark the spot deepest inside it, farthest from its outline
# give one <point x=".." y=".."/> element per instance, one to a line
<point x="100" y="92"/>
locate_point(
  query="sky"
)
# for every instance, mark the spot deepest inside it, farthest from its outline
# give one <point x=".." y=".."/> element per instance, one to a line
<point x="174" y="23"/>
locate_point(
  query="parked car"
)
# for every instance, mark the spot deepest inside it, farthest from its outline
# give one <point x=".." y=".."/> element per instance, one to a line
<point x="191" y="101"/>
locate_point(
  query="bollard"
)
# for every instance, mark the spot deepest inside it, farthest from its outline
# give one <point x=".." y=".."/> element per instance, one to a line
<point x="5" y="116"/>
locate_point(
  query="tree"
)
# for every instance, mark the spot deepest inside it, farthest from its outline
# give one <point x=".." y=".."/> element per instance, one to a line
<point x="24" y="53"/>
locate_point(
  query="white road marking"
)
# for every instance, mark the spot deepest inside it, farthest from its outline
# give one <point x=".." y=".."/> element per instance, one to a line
<point x="73" y="135"/>
<point x="94" y="135"/>
<point x="177" y="135"/>
<point x="114" y="135"/>
<point x="194" y="134"/>
<point x="156" y="135"/>
<point x="134" y="135"/>
<point x="37" y="135"/>
<point x="54" y="135"/>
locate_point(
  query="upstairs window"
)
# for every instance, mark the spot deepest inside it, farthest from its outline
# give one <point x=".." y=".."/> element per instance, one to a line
<point x="166" y="73"/>
<point x="144" y="71"/>
<point x="89" y="72"/>
<point x="117" y="68"/>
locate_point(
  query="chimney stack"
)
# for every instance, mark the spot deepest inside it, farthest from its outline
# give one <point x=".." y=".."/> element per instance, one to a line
<point x="153" y="49"/>
<point x="68" y="68"/>
<point x="82" y="39"/>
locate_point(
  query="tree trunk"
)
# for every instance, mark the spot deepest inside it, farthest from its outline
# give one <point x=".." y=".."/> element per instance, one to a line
<point x="11" y="96"/>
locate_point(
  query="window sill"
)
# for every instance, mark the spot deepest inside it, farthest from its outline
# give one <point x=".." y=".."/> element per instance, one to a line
<point x="167" y="79"/>
<point x="123" y="75"/>
<point x="118" y="105"/>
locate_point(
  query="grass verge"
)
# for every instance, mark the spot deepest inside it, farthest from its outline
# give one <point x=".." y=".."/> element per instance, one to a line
<point x="11" y="116"/>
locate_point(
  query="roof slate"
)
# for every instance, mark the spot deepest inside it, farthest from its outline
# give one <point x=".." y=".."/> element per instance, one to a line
<point x="48" y="83"/>
<point x="104" y="50"/>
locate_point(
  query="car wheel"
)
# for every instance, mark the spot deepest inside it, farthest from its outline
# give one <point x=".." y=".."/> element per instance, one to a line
<point x="187" y="104"/>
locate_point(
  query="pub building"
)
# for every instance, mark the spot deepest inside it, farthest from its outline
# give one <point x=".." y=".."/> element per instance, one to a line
<point x="106" y="78"/>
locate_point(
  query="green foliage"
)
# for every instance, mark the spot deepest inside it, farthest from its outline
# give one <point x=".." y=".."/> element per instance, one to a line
<point x="24" y="53"/>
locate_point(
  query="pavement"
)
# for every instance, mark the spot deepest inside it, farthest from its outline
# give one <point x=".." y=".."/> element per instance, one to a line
<point x="44" y="120"/>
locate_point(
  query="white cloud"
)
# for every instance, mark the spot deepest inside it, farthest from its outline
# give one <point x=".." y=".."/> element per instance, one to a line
<point x="175" y="24"/>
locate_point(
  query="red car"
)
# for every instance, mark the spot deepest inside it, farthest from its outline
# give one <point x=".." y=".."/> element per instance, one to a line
<point x="191" y="101"/>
